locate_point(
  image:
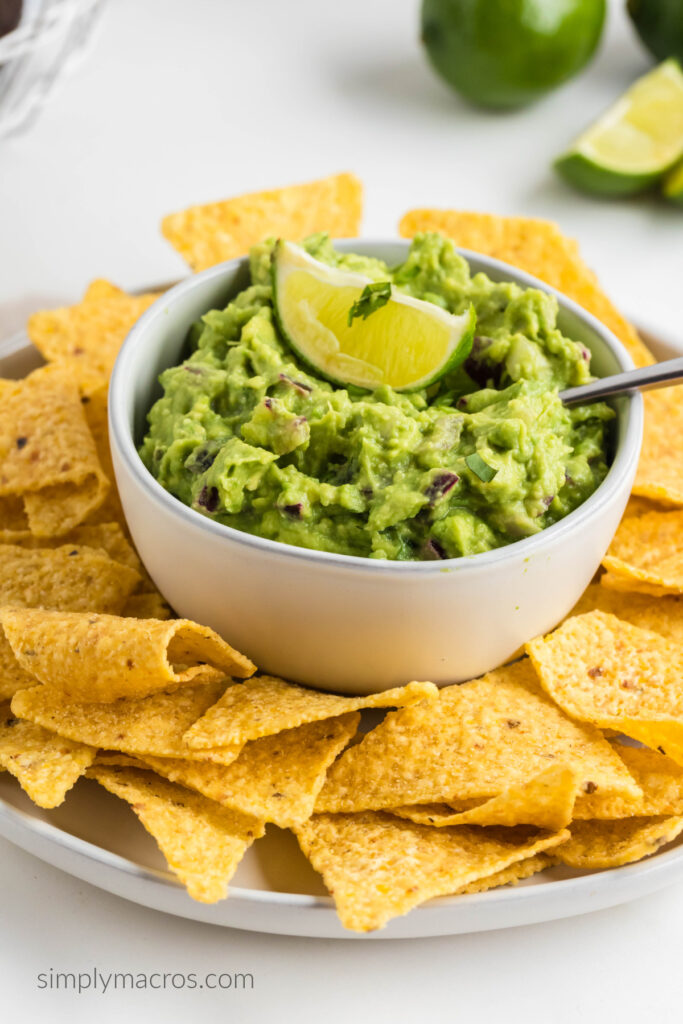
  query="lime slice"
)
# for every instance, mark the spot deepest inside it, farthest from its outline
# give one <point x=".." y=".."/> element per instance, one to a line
<point x="368" y="342"/>
<point x="635" y="142"/>
<point x="673" y="184"/>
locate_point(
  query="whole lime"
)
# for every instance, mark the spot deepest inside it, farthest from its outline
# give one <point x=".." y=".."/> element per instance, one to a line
<point x="507" y="53"/>
<point x="659" y="23"/>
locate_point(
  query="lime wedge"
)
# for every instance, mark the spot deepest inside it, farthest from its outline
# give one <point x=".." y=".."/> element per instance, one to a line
<point x="635" y="142"/>
<point x="352" y="330"/>
<point x="673" y="184"/>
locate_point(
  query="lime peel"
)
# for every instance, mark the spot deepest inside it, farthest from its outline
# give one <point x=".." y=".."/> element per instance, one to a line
<point x="672" y="187"/>
<point x="635" y="142"/>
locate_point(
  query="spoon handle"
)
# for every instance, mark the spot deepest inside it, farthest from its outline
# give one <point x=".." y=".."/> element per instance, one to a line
<point x="659" y="375"/>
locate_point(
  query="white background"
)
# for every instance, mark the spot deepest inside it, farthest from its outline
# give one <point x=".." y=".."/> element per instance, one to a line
<point x="181" y="102"/>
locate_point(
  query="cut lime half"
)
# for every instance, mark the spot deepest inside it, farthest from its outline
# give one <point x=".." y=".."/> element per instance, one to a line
<point x="673" y="184"/>
<point x="404" y="343"/>
<point x="635" y="142"/>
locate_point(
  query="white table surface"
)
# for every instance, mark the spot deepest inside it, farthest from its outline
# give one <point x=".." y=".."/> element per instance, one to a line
<point x="179" y="102"/>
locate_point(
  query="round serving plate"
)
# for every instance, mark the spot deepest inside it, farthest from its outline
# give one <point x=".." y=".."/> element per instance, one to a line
<point x="95" y="837"/>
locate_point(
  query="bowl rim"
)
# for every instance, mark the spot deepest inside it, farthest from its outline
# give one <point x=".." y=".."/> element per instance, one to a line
<point x="121" y="434"/>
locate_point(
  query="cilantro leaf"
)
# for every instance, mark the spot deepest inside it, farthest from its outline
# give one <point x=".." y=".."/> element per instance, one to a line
<point x="480" y="468"/>
<point x="372" y="298"/>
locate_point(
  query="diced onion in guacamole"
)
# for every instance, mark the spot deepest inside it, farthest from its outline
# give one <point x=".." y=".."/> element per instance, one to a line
<point x="246" y="435"/>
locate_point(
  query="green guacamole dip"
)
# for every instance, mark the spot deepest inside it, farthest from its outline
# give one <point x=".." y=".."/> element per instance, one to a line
<point x="248" y="436"/>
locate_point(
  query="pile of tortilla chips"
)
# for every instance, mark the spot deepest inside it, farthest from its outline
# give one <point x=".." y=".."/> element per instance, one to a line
<point x="571" y="755"/>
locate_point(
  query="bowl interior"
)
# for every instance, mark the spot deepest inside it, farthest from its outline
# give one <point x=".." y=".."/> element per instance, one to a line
<point x="159" y="340"/>
<point x="168" y="321"/>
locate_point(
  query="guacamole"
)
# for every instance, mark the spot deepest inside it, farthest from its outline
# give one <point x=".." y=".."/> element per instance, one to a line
<point x="248" y="436"/>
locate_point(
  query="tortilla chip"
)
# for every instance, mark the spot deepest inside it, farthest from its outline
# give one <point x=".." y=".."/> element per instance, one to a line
<point x="112" y="759"/>
<point x="47" y="454"/>
<point x="276" y="778"/>
<point x="474" y="741"/>
<point x="546" y="801"/>
<point x="104" y="657"/>
<point x="206" y="235"/>
<point x="377" y="867"/>
<point x="146" y="602"/>
<point x="45" y="765"/>
<point x="109" y="537"/>
<point x="150" y="725"/>
<point x="68" y="577"/>
<point x="202" y="842"/>
<point x="659" y="778"/>
<point x="646" y="555"/>
<point x="85" y="339"/>
<point x="636" y="506"/>
<point x="265" y="705"/>
<point x="509" y="876"/>
<point x="12" y="676"/>
<point x="13" y="518"/>
<point x="662" y="615"/>
<point x="146" y="606"/>
<point x="616" y="676"/>
<point x="660" y="469"/>
<point x="95" y="406"/>
<point x="540" y="248"/>
<point x="609" y="844"/>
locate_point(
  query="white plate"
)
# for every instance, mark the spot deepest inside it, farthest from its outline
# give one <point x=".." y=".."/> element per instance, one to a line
<point x="94" y="836"/>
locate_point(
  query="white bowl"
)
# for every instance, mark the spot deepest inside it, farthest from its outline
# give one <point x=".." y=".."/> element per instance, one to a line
<point x="337" y="622"/>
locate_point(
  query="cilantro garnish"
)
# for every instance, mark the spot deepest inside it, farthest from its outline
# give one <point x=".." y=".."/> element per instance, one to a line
<point x="480" y="468"/>
<point x="372" y="298"/>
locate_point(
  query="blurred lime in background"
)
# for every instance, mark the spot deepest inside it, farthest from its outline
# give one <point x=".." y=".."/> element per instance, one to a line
<point x="635" y="142"/>
<point x="673" y="184"/>
<point x="508" y="53"/>
<point x="659" y="23"/>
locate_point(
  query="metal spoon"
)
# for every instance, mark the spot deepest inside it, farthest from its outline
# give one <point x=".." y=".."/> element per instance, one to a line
<point x="659" y="375"/>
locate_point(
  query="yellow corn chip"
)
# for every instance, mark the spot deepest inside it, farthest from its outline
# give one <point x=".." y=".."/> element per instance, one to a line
<point x="546" y="801"/>
<point x="265" y="705"/>
<point x="474" y="741"/>
<point x="104" y="657"/>
<point x="639" y="506"/>
<point x="108" y="536"/>
<point x="12" y="676"/>
<point x="45" y="765"/>
<point x="660" y="469"/>
<point x="509" y="876"/>
<point x="146" y="606"/>
<point x="661" y="782"/>
<point x="202" y="842"/>
<point x="146" y="602"/>
<point x="67" y="577"/>
<point x="148" y="725"/>
<point x="377" y="867"/>
<point x="609" y="844"/>
<point x="604" y="671"/>
<point x="540" y="248"/>
<point x="47" y="454"/>
<point x="95" y="406"/>
<point x="662" y="615"/>
<point x="276" y="778"/>
<point x="112" y="759"/>
<point x="13" y="518"/>
<point x="85" y="338"/>
<point x="646" y="555"/>
<point x="206" y="235"/>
